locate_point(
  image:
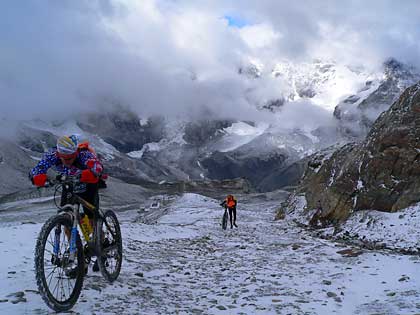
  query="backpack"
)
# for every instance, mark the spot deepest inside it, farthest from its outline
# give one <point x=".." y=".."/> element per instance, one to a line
<point x="85" y="146"/>
<point x="230" y="201"/>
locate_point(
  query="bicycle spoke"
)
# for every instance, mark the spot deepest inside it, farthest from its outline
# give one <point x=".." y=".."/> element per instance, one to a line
<point x="62" y="279"/>
<point x="65" y="295"/>
<point x="50" y="267"/>
<point x="50" y="272"/>
<point x="51" y="243"/>
<point x="60" y="290"/>
<point x="56" y="285"/>
<point x="69" y="286"/>
<point x="49" y="252"/>
<point x="108" y="249"/>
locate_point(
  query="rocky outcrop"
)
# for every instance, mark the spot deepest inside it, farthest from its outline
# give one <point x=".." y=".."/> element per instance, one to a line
<point x="224" y="165"/>
<point x="283" y="177"/>
<point x="201" y="132"/>
<point x="36" y="140"/>
<point x="251" y="71"/>
<point x="381" y="173"/>
<point x="15" y="163"/>
<point x="123" y="129"/>
<point x="274" y="105"/>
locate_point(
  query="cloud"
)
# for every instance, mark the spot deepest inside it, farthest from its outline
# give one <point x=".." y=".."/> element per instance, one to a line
<point x="182" y="57"/>
<point x="305" y="115"/>
<point x="343" y="31"/>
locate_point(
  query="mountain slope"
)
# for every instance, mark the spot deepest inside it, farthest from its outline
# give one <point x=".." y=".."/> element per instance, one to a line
<point x="381" y="173"/>
<point x="159" y="149"/>
<point x="358" y="112"/>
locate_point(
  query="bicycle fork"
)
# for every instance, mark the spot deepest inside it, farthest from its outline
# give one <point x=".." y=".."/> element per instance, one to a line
<point x="73" y="234"/>
<point x="57" y="234"/>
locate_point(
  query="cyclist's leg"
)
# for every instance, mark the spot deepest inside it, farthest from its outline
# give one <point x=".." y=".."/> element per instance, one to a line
<point x="230" y="217"/>
<point x="234" y="216"/>
<point x="91" y="195"/>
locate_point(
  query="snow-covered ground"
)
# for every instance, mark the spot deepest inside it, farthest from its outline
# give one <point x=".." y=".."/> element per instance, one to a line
<point x="185" y="263"/>
<point x="396" y="231"/>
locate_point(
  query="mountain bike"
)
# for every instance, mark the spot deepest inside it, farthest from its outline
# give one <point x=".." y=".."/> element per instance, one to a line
<point x="225" y="219"/>
<point x="60" y="254"/>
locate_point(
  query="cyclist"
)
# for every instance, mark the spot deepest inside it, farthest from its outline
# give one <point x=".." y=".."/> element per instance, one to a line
<point x="230" y="202"/>
<point x="72" y="159"/>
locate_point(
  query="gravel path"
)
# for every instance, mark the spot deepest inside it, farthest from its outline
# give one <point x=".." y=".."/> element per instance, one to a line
<point x="185" y="263"/>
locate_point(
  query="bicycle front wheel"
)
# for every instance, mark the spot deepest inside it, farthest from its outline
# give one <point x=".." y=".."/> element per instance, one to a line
<point x="59" y="278"/>
<point x="109" y="242"/>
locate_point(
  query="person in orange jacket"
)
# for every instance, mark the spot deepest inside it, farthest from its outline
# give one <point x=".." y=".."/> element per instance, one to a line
<point x="230" y="202"/>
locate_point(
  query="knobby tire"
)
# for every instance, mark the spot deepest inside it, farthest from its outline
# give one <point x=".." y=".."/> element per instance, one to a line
<point x="46" y="292"/>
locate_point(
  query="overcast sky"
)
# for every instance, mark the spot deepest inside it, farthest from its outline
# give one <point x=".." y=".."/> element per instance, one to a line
<point x="176" y="56"/>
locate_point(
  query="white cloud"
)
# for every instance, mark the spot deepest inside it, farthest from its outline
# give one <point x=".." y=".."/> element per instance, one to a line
<point x="259" y="36"/>
<point x="178" y="56"/>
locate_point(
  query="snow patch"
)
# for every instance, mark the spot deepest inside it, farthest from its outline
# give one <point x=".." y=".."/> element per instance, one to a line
<point x="397" y="230"/>
<point x="239" y="134"/>
<point x="148" y="147"/>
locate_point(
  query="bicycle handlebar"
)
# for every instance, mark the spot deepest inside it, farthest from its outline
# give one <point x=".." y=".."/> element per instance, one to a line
<point x="62" y="179"/>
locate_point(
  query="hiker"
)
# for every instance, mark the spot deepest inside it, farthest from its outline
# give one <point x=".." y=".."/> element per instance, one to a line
<point x="230" y="203"/>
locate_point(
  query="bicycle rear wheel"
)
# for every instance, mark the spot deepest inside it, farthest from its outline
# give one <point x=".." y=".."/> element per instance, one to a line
<point x="59" y="280"/>
<point x="109" y="242"/>
<point x="225" y="220"/>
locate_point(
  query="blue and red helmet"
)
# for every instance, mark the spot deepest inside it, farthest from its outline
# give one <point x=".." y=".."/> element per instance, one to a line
<point x="67" y="147"/>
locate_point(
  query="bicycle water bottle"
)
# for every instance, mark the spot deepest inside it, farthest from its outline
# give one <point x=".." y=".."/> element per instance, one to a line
<point x="86" y="226"/>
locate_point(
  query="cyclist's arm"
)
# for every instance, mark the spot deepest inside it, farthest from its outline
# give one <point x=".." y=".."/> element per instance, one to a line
<point x="92" y="167"/>
<point x="38" y="175"/>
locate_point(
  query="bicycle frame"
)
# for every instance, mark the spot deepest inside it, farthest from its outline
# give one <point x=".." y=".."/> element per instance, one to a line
<point x="72" y="208"/>
<point x="62" y="256"/>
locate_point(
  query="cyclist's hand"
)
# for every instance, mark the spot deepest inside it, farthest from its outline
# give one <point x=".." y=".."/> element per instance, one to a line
<point x="40" y="180"/>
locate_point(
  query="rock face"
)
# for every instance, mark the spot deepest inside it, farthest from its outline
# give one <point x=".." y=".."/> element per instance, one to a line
<point x="123" y="128"/>
<point x="264" y="161"/>
<point x="15" y="163"/>
<point x="203" y="131"/>
<point x="381" y="173"/>
<point x="283" y="177"/>
<point x="254" y="168"/>
<point x="36" y="140"/>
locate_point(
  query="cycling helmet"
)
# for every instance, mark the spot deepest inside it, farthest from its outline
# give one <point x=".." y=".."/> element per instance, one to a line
<point x="67" y="147"/>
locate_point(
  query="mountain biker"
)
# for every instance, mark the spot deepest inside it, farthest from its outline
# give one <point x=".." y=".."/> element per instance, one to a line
<point x="230" y="202"/>
<point x="72" y="159"/>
